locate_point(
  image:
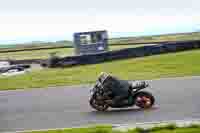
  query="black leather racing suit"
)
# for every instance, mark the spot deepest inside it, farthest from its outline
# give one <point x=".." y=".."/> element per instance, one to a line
<point x="119" y="89"/>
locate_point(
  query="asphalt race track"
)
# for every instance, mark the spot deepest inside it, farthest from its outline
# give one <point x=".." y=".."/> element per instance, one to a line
<point x="176" y="99"/>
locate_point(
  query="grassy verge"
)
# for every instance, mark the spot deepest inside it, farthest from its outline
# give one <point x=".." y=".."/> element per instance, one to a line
<point x="37" y="54"/>
<point x="44" y="54"/>
<point x="156" y="38"/>
<point x="165" y="129"/>
<point x="167" y="65"/>
<point x="98" y="129"/>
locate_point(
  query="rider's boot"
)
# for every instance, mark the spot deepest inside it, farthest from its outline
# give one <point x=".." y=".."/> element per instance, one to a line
<point x="138" y="84"/>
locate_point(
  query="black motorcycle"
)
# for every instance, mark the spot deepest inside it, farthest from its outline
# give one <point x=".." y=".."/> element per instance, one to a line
<point x="141" y="99"/>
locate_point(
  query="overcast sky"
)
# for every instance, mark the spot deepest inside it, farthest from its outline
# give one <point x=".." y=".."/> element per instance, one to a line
<point x="27" y="20"/>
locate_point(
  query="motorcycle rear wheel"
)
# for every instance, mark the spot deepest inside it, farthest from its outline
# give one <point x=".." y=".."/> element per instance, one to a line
<point x="144" y="100"/>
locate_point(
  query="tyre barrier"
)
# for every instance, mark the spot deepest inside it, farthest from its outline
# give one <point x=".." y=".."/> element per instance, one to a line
<point x="130" y="53"/>
<point x="70" y="61"/>
<point x="30" y="61"/>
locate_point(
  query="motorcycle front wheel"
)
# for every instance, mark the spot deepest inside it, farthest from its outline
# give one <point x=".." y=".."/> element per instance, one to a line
<point x="144" y="100"/>
<point x="99" y="106"/>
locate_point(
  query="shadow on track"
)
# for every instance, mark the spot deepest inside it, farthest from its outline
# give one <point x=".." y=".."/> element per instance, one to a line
<point x="123" y="111"/>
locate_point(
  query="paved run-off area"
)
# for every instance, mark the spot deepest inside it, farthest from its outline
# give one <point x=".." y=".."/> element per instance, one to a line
<point x="176" y="99"/>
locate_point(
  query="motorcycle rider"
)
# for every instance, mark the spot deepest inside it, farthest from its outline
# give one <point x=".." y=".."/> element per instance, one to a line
<point x="120" y="89"/>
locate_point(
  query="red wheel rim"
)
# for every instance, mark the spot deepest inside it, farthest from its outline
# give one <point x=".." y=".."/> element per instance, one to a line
<point x="143" y="101"/>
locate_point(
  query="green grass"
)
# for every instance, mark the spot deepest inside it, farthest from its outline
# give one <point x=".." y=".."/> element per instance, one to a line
<point x="44" y="54"/>
<point x="167" y="65"/>
<point x="157" y="38"/>
<point x="33" y="45"/>
<point x="174" y="129"/>
<point x="184" y="130"/>
<point x="107" y="129"/>
<point x="98" y="129"/>
<point x="37" y="54"/>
